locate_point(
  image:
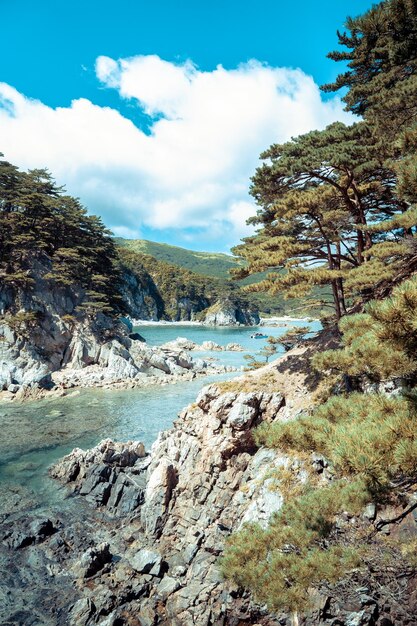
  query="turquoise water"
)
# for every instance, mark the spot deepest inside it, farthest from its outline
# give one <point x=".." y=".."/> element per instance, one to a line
<point x="35" y="434"/>
<point x="159" y="334"/>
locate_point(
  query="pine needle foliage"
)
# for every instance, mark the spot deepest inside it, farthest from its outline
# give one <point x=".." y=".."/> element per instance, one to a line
<point x="350" y="193"/>
<point x="380" y="48"/>
<point x="328" y="207"/>
<point x="338" y="206"/>
<point x="44" y="231"/>
<point x="281" y="562"/>
<point x="380" y="343"/>
<point x="370" y="436"/>
<point x="369" y="440"/>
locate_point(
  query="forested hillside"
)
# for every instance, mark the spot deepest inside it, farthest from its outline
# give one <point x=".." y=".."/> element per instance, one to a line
<point x="212" y="264"/>
<point x="47" y="234"/>
<point x="181" y="294"/>
<point x="212" y="273"/>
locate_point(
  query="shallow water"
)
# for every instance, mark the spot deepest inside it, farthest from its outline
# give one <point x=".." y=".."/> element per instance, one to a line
<point x="36" y="434"/>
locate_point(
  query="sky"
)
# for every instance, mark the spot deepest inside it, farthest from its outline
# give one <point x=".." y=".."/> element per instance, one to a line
<point x="154" y="114"/>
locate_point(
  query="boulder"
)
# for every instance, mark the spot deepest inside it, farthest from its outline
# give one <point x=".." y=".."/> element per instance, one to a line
<point x="234" y="347"/>
<point x="147" y="562"/>
<point x="93" y="560"/>
<point x="167" y="587"/>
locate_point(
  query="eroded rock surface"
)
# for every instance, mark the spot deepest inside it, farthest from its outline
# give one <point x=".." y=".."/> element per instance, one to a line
<point x="153" y="525"/>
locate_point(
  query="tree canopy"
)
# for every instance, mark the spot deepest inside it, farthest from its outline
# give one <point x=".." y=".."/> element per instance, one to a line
<point x="43" y="230"/>
<point x="347" y="192"/>
<point x="337" y="206"/>
<point x="328" y="205"/>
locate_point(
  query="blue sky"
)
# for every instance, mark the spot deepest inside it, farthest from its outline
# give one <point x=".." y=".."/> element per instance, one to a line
<point x="154" y="113"/>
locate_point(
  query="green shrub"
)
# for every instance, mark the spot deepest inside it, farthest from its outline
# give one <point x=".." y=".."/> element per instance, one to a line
<point x="281" y="562"/>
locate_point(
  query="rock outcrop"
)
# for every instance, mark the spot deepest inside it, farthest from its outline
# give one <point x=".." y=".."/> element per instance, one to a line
<point x="44" y="331"/>
<point x="63" y="348"/>
<point x="178" y="504"/>
<point x="181" y="343"/>
<point x="85" y="361"/>
<point x="229" y="313"/>
<point x="153" y="525"/>
<point x="141" y="296"/>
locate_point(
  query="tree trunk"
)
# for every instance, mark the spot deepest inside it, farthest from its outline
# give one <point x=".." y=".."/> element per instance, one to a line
<point x="336" y="299"/>
<point x="341" y="295"/>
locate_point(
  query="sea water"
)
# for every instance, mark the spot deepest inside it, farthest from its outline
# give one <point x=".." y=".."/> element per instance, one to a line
<point x="36" y="434"/>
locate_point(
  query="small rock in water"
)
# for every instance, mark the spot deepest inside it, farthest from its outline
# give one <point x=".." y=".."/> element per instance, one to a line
<point x="55" y="413"/>
<point x="234" y="347"/>
<point x="211" y="345"/>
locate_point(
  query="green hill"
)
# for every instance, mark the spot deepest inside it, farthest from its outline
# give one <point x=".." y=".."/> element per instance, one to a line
<point x="214" y="264"/>
<point x="218" y="265"/>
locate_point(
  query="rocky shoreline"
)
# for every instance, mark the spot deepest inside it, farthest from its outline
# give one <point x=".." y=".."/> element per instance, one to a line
<point x="142" y="542"/>
<point x="158" y="521"/>
<point x="141" y="366"/>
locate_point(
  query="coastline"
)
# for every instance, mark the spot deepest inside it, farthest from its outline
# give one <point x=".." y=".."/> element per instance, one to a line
<point x="33" y="393"/>
<point x="264" y="321"/>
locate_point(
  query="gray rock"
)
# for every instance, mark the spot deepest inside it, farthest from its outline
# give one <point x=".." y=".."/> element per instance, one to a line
<point x="167" y="586"/>
<point x="93" y="560"/>
<point x="243" y="412"/>
<point x="42" y="528"/>
<point x="81" y="612"/>
<point x="147" y="562"/>
<point x="370" y="511"/>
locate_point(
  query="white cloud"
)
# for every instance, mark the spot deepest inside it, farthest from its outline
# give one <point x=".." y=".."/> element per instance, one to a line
<point x="193" y="168"/>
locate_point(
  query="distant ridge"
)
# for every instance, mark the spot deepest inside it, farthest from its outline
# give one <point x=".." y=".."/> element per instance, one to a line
<point x="214" y="264"/>
<point x="218" y="265"/>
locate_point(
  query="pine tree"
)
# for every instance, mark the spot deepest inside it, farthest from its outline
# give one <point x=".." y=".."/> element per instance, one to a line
<point x="40" y="226"/>
<point x="381" y="54"/>
<point x="380" y="49"/>
<point x="325" y="198"/>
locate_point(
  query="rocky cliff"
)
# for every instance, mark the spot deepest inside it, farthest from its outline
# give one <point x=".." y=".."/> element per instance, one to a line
<point x="157" y="290"/>
<point x="45" y="327"/>
<point x="227" y="312"/>
<point x="46" y="342"/>
<point x="151" y="527"/>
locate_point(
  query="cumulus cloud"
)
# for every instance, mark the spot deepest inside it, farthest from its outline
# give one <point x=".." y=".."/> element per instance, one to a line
<point x="190" y="169"/>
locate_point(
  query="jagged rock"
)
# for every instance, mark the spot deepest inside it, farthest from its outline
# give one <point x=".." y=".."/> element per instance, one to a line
<point x="180" y="343"/>
<point x="81" y="612"/>
<point x="161" y="482"/>
<point x="147" y="562"/>
<point x="167" y="587"/>
<point x="234" y="347"/>
<point x="102" y="474"/>
<point x="243" y="411"/>
<point x="41" y="528"/>
<point x="211" y="346"/>
<point x="201" y="481"/>
<point x="93" y="560"/>
<point x="38" y="531"/>
<point x="228" y="313"/>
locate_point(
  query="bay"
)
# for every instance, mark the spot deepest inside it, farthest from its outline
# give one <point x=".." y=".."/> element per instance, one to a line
<point x="36" y="434"/>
